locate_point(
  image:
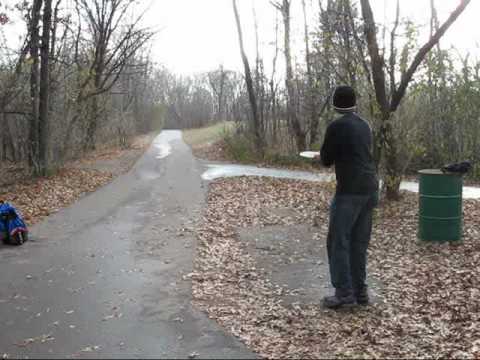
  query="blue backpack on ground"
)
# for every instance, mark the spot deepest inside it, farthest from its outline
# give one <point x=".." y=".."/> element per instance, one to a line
<point x="13" y="230"/>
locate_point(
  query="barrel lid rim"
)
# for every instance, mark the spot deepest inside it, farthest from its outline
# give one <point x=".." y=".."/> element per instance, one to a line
<point x="436" y="172"/>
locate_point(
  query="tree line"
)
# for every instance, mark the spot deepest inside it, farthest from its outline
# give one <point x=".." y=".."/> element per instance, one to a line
<point x="84" y="76"/>
<point x="81" y="77"/>
<point x="422" y="100"/>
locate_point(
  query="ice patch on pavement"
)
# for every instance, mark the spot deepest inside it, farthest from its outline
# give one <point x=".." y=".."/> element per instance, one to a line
<point x="472" y="193"/>
<point x="410" y="186"/>
<point x="228" y="170"/>
<point x="162" y="143"/>
<point x="222" y="171"/>
<point x="163" y="150"/>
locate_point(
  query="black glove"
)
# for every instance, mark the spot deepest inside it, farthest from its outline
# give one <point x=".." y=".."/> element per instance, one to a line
<point x="460" y="168"/>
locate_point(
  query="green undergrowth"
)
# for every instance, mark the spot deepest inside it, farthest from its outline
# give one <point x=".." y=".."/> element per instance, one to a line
<point x="208" y="135"/>
<point x="242" y="149"/>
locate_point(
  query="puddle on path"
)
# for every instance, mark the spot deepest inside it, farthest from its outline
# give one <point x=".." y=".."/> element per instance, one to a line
<point x="229" y="170"/>
<point x="163" y="151"/>
<point x="162" y="143"/>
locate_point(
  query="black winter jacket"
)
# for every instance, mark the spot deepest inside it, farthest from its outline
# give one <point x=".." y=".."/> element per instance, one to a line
<point x="348" y="146"/>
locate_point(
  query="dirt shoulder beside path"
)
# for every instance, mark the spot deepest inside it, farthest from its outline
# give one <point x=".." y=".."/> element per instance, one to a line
<point x="39" y="198"/>
<point x="261" y="272"/>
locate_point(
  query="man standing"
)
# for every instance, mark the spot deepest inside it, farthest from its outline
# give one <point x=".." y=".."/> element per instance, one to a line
<point x="348" y="146"/>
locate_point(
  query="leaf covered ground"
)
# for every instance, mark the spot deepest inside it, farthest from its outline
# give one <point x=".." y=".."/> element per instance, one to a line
<point x="429" y="304"/>
<point x="43" y="197"/>
<point x="39" y="198"/>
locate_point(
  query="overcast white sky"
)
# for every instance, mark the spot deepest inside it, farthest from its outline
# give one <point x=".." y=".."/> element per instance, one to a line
<point x="198" y="35"/>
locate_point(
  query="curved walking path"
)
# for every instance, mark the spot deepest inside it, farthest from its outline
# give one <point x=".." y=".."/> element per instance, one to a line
<point x="216" y="171"/>
<point x="105" y="277"/>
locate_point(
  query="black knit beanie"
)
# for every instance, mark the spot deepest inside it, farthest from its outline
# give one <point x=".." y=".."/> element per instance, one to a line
<point x="344" y="99"/>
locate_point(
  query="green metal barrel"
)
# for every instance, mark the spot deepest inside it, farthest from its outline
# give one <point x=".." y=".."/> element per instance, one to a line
<point x="441" y="208"/>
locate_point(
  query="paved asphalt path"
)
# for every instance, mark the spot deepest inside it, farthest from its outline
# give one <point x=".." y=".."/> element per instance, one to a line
<point x="105" y="277"/>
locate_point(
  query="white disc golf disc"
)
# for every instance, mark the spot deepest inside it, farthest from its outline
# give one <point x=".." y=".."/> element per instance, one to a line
<point x="310" y="154"/>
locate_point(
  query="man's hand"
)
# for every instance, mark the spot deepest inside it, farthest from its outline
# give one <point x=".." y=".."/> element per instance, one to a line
<point x="317" y="160"/>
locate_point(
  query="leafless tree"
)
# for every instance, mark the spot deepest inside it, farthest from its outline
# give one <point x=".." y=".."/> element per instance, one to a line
<point x="389" y="104"/>
<point x="218" y="82"/>
<point x="112" y="44"/>
<point x="72" y="59"/>
<point x="256" y="126"/>
<point x="293" y="120"/>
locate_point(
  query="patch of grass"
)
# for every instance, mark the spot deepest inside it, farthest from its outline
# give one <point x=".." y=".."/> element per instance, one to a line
<point x="293" y="160"/>
<point x="207" y="135"/>
<point x="240" y="148"/>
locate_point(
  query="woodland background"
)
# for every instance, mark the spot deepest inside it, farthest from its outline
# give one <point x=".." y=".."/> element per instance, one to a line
<point x="83" y="77"/>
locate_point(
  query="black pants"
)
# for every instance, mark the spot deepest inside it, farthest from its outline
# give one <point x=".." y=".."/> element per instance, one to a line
<point x="348" y="240"/>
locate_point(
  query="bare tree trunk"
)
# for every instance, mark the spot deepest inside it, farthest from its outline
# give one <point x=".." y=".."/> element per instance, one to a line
<point x="221" y="98"/>
<point x="434" y="85"/>
<point x="7" y="141"/>
<point x="33" y="137"/>
<point x="387" y="139"/>
<point x="259" y="84"/>
<point x="259" y="140"/>
<point x="217" y="80"/>
<point x="3" y="139"/>
<point x="293" y="120"/>
<point x="92" y="124"/>
<point x="312" y="88"/>
<point x="44" y="103"/>
<point x="387" y="108"/>
<point x="273" y="88"/>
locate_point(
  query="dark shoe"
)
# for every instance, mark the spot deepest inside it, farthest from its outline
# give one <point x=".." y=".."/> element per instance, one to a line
<point x="340" y="299"/>
<point x="362" y="297"/>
